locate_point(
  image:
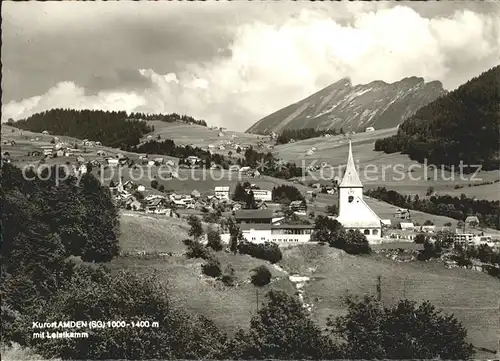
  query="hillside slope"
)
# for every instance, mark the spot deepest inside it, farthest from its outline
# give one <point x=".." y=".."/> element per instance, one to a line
<point x="342" y="105"/>
<point x="462" y="126"/>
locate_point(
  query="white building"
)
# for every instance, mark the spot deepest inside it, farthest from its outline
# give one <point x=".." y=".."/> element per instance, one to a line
<point x="354" y="213"/>
<point x="262" y="195"/>
<point x="222" y="192"/>
<point x="370" y="129"/>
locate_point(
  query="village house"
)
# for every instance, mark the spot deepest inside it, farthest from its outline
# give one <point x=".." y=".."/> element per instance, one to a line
<point x="47" y="151"/>
<point x="157" y="205"/>
<point x="221" y="192"/>
<point x="45" y="132"/>
<point x="112" y="162"/>
<point x="407" y="226"/>
<point x="82" y="169"/>
<point x="472" y="221"/>
<point x="101" y="153"/>
<point x="141" y="188"/>
<point x="34" y="153"/>
<point x="262" y="195"/>
<point x="192" y="159"/>
<point x="402" y="213"/>
<point x="80" y="159"/>
<point x="195" y="194"/>
<point x="132" y="203"/>
<point x="370" y="129"/>
<point x="298" y="206"/>
<point x="258" y="227"/>
<point x="159" y="160"/>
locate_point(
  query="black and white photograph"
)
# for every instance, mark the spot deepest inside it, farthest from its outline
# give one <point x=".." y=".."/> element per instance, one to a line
<point x="250" y="180"/>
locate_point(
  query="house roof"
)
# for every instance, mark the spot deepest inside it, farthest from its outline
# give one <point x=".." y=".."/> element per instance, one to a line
<point x="471" y="219"/>
<point x="253" y="214"/>
<point x="293" y="226"/>
<point x="255" y="226"/>
<point x="351" y="178"/>
<point x="221" y="189"/>
<point x="296" y="204"/>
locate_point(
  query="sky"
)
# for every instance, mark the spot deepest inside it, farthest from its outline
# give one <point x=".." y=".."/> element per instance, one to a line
<point x="230" y="63"/>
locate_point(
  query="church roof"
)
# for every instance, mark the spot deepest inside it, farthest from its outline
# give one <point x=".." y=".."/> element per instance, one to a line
<point x="351" y="178"/>
<point x="362" y="217"/>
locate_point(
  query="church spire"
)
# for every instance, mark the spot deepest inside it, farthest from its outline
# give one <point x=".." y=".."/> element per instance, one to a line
<point x="351" y="178"/>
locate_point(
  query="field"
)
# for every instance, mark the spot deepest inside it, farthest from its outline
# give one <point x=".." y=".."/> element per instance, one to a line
<point x="231" y="308"/>
<point x="471" y="296"/>
<point x="393" y="171"/>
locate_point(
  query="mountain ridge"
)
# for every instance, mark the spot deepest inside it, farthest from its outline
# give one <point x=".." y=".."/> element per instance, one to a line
<point x="354" y="107"/>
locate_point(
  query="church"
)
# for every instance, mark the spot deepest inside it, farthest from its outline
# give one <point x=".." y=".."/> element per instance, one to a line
<point x="354" y="213"/>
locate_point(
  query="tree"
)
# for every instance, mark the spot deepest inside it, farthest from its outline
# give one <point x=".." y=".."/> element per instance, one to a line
<point x="403" y="331"/>
<point x="428" y="223"/>
<point x="329" y="231"/>
<point x="196" y="229"/>
<point x="161" y="188"/>
<point x="154" y="184"/>
<point x="420" y="238"/>
<point x="125" y="296"/>
<point x="235" y="235"/>
<point x="356" y="243"/>
<point x="214" y="240"/>
<point x="282" y="330"/>
<point x="212" y="267"/>
<point x="196" y="249"/>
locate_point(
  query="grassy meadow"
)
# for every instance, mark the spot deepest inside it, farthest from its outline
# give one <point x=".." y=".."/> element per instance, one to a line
<point x="472" y="296"/>
<point x="393" y="171"/>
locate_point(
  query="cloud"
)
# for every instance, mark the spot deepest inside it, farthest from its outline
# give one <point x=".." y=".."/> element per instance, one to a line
<point x="268" y="66"/>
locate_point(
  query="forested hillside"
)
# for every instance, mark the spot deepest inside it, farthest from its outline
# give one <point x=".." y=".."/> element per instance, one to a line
<point x="460" y="126"/>
<point x="169" y="118"/>
<point x="110" y="128"/>
<point x="305" y="133"/>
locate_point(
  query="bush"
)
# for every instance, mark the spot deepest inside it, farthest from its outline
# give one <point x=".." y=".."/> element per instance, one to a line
<point x="196" y="249"/>
<point x="212" y="267"/>
<point x="228" y="277"/>
<point x="267" y="251"/>
<point x="154" y="184"/>
<point x="261" y="276"/>
<point x="214" y="240"/>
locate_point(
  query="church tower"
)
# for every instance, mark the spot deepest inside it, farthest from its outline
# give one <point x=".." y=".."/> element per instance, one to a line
<point x="350" y="188"/>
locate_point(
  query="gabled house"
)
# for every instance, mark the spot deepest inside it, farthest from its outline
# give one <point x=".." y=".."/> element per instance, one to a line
<point x="112" y="162"/>
<point x="157" y="205"/>
<point x="298" y="206"/>
<point x="132" y="203"/>
<point x="471" y="221"/>
<point x="221" y="192"/>
<point x="195" y="194"/>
